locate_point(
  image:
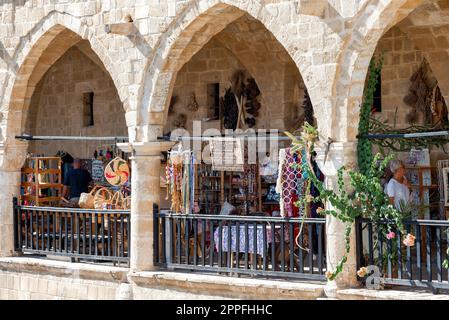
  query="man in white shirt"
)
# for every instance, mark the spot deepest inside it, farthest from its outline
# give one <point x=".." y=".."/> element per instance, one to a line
<point x="398" y="188"/>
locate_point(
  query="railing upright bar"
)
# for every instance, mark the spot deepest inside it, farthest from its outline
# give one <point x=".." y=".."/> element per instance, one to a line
<point x="84" y="233"/>
<point x="438" y="249"/>
<point x="380" y="250"/>
<point x="273" y="246"/>
<point x="203" y="241"/>
<point x="428" y="255"/>
<point x="418" y="251"/>
<point x="71" y="232"/>
<point x="300" y="252"/>
<point x="282" y="247"/>
<point x="291" y="250"/>
<point x="164" y="245"/>
<point x="43" y="231"/>
<point x="156" y="234"/>
<point x="18" y="215"/>
<point x="229" y="262"/>
<point x="109" y="234"/>
<point x="212" y="245"/>
<point x="409" y="257"/>
<point x="246" y="244"/>
<point x="195" y="241"/>
<point x="48" y="231"/>
<point x="26" y="227"/>
<point x="254" y="256"/>
<point x="389" y="252"/>
<point x="370" y="243"/>
<point x="220" y="243"/>
<point x="172" y="240"/>
<point x="237" y="245"/>
<point x="320" y="248"/>
<point x="178" y="240"/>
<point x="96" y="233"/>
<point x="122" y="236"/>
<point x="31" y="230"/>
<point x="399" y="252"/>
<point x="66" y="230"/>
<point x="55" y="222"/>
<point x="265" y="247"/>
<point x="310" y="248"/>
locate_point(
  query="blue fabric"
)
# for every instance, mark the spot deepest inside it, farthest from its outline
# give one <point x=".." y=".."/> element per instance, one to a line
<point x="78" y="181"/>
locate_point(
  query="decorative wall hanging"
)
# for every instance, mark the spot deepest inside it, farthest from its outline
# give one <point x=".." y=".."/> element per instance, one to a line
<point x="193" y="105"/>
<point x="421" y="93"/>
<point x="117" y="172"/>
<point x="230" y="110"/>
<point x="245" y="107"/>
<point x="180" y="121"/>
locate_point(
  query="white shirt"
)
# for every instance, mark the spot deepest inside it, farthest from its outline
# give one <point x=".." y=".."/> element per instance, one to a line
<point x="398" y="191"/>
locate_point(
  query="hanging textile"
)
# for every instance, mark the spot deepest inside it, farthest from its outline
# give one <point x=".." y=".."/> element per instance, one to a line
<point x="180" y="181"/>
<point x="291" y="182"/>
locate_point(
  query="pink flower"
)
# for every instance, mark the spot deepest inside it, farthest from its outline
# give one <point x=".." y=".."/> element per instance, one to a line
<point x="391" y="235"/>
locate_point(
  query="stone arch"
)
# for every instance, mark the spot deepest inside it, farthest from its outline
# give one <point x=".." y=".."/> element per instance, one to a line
<point x="193" y="28"/>
<point x="371" y="23"/>
<point x="39" y="49"/>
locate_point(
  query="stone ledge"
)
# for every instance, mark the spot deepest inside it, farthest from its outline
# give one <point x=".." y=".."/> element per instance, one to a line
<point x="366" y="294"/>
<point x="243" y="288"/>
<point x="64" y="269"/>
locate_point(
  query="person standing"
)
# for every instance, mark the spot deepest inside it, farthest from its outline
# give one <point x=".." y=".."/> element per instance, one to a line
<point x="76" y="181"/>
<point x="398" y="188"/>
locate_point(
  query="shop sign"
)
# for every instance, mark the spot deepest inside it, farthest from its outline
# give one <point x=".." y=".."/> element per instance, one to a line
<point x="97" y="171"/>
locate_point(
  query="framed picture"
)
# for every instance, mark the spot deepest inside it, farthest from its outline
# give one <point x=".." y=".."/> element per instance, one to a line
<point x="446" y="186"/>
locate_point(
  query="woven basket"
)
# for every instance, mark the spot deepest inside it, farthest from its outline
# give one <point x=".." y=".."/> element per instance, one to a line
<point x="117" y="172"/>
<point x="117" y="201"/>
<point x="102" y="198"/>
<point x="87" y="199"/>
<point x="127" y="203"/>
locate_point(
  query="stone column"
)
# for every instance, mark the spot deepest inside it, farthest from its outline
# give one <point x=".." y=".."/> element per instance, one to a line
<point x="339" y="154"/>
<point x="11" y="162"/>
<point x="145" y="168"/>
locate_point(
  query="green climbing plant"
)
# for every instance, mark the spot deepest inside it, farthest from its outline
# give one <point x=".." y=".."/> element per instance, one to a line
<point x="364" y="146"/>
<point x="357" y="195"/>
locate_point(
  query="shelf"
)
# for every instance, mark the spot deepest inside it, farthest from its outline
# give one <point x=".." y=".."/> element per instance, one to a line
<point x="41" y="185"/>
<point x="31" y="170"/>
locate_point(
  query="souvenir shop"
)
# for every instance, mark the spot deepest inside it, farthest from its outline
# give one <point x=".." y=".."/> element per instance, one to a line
<point x="43" y="177"/>
<point x="234" y="179"/>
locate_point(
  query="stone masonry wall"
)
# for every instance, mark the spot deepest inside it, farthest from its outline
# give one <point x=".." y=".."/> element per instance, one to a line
<point x="57" y="106"/>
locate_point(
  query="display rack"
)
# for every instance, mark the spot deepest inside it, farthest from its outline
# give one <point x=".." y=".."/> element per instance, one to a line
<point x="422" y="183"/>
<point x="41" y="181"/>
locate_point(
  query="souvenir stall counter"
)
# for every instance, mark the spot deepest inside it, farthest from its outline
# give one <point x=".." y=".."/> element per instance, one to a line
<point x="269" y="187"/>
<point x="42" y="181"/>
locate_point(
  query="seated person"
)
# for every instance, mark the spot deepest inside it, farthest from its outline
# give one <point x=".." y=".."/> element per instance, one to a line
<point x="76" y="181"/>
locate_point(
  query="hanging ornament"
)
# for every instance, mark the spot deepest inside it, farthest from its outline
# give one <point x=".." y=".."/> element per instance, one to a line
<point x="193" y="105"/>
<point x="117" y="172"/>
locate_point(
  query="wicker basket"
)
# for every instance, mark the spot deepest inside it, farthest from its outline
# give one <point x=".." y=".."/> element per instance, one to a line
<point x="102" y="198"/>
<point x="87" y="199"/>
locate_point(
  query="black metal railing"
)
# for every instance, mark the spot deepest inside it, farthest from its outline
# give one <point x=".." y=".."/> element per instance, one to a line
<point x="254" y="245"/>
<point x="77" y="233"/>
<point x="420" y="265"/>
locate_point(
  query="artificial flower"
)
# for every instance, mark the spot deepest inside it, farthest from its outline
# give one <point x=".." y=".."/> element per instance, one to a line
<point x="409" y="240"/>
<point x="391" y="235"/>
<point x="362" y="272"/>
